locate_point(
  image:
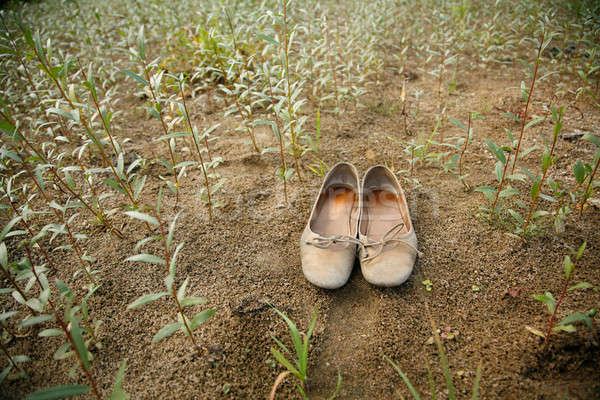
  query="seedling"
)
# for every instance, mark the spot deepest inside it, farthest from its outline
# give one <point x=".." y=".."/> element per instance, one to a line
<point x="298" y="368"/>
<point x="590" y="179"/>
<point x="169" y="261"/>
<point x="547" y="161"/>
<point x="567" y="323"/>
<point x="461" y="147"/>
<point x="445" y="369"/>
<point x="153" y="85"/>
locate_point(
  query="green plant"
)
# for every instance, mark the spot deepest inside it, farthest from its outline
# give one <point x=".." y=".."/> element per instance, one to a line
<point x="547" y="161"/>
<point x="152" y="83"/>
<point x="542" y="43"/>
<point x="566" y="324"/>
<point x="591" y="172"/>
<point x="456" y="161"/>
<point x="298" y="368"/>
<point x="169" y="261"/>
<point x="68" y="391"/>
<point x="445" y="369"/>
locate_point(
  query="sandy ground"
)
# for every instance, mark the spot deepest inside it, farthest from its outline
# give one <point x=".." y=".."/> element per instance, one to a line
<point x="249" y="254"/>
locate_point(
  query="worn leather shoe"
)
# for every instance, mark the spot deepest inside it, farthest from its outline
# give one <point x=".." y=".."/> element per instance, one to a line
<point x="328" y="243"/>
<point x="388" y="241"/>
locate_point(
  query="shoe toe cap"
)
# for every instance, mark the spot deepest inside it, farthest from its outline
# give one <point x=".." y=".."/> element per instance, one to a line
<point x="327" y="269"/>
<point x="388" y="269"/>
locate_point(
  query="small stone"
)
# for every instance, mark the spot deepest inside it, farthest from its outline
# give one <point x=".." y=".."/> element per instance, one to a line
<point x="215" y="348"/>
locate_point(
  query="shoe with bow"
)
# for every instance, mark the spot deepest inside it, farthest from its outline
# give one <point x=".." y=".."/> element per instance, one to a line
<point x="328" y="243"/>
<point x="388" y="241"/>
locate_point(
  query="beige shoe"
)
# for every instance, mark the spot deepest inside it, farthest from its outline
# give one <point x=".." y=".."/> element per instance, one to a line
<point x="389" y="243"/>
<point x="328" y="244"/>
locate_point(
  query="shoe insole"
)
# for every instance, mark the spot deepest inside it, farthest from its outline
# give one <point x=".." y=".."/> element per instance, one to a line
<point x="382" y="211"/>
<point x="336" y="212"/>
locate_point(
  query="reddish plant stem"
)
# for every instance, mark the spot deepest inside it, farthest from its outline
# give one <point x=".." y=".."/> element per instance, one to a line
<point x="164" y="127"/>
<point x="539" y="189"/>
<point x="188" y="116"/>
<point x="14" y="364"/>
<point x="529" y="95"/>
<point x="173" y="291"/>
<point x="230" y="85"/>
<point x="463" y="153"/>
<point x="44" y="111"/>
<point x="16" y="286"/>
<point x="281" y="152"/>
<point x="85" y="125"/>
<point x="30" y="231"/>
<point x="187" y="119"/>
<point x="587" y="188"/>
<point x="76" y="248"/>
<point x="289" y="91"/>
<point x="65" y="329"/>
<point x="501" y="183"/>
<point x="101" y="217"/>
<point x="551" y="324"/>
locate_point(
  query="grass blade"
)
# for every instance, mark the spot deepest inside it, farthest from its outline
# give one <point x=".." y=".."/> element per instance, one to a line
<point x="476" y="383"/>
<point x="410" y="386"/>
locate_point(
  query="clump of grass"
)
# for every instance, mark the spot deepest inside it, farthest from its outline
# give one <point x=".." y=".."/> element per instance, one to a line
<point x="299" y="366"/>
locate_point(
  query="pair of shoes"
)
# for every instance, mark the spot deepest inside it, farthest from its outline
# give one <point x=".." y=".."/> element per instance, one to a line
<point x="373" y="218"/>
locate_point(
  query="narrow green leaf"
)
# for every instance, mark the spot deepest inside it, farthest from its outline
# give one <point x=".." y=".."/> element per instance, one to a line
<point x="135" y="76"/>
<point x="590" y="137"/>
<point x="36" y="320"/>
<point x="166" y="331"/>
<point x="6" y="127"/>
<point x="580" y="250"/>
<point x="6" y="315"/>
<point x="51" y="333"/>
<point x="172" y="230"/>
<point x="80" y="346"/>
<point x="182" y="288"/>
<point x="407" y="381"/>
<point x="579" y="171"/>
<point x="148" y="298"/>
<point x="63" y="352"/>
<point x="547" y="299"/>
<point x="488" y="191"/>
<point x="269" y="39"/>
<point x="457" y="123"/>
<point x="577" y="317"/>
<point x="284" y="362"/>
<point x="115" y="185"/>
<point x="58" y="392"/>
<point x="569" y="266"/>
<point x="3" y="255"/>
<point x="174" y="135"/>
<point x="508" y="192"/>
<point x="118" y="393"/>
<point x="535" y="187"/>
<point x="143" y="217"/>
<point x="201" y="317"/>
<point x="581" y="285"/>
<point x="173" y="264"/>
<point x="192" y="301"/>
<point x="149" y="258"/>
